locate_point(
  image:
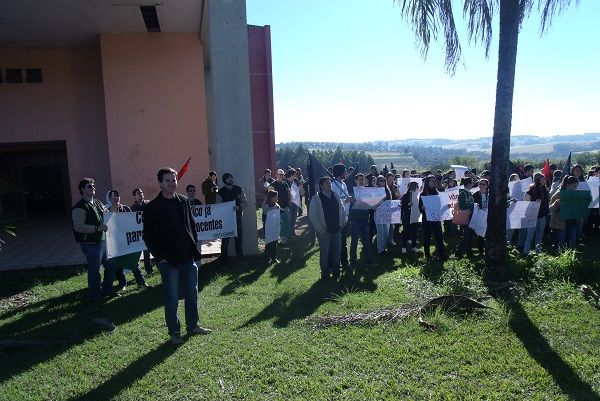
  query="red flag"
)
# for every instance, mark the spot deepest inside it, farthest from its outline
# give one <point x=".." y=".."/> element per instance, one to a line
<point x="546" y="171"/>
<point x="183" y="169"/>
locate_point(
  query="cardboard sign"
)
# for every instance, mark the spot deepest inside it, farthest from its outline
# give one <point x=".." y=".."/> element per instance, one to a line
<point x="215" y="221"/>
<point x="523" y="214"/>
<point x="435" y="209"/>
<point x="388" y="213"/>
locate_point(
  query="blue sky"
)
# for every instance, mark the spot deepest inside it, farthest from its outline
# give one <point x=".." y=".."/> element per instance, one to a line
<point x="348" y="70"/>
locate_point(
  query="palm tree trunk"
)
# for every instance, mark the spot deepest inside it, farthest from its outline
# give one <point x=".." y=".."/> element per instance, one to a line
<point x="510" y="17"/>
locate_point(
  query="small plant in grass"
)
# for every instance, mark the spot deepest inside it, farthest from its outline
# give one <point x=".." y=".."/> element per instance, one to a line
<point x="459" y="277"/>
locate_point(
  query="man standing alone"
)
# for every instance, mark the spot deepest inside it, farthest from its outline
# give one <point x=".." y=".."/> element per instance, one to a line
<point x="170" y="235"/>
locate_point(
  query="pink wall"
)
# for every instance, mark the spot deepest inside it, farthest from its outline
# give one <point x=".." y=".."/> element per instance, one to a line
<point x="155" y="108"/>
<point x="68" y="105"/>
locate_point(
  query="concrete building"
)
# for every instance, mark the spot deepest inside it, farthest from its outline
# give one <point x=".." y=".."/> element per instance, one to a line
<point x="116" y="89"/>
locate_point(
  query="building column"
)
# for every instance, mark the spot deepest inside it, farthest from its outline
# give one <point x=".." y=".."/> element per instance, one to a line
<point x="224" y="34"/>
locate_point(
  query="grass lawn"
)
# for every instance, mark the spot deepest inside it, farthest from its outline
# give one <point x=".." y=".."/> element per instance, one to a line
<point x="541" y="345"/>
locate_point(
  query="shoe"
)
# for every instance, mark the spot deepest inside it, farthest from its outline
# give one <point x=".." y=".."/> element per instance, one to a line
<point x="383" y="253"/>
<point x="404" y="251"/>
<point x="121" y="288"/>
<point x="392" y="242"/>
<point x="176" y="339"/>
<point x="276" y="261"/>
<point x="415" y="249"/>
<point x="143" y="285"/>
<point x="200" y="331"/>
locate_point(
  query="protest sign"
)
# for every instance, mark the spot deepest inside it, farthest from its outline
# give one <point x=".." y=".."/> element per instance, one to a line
<point x="435" y="210"/>
<point x="368" y="197"/>
<point x="514" y="190"/>
<point x="574" y="204"/>
<point x="388" y="213"/>
<point x="402" y="184"/>
<point x="215" y="221"/>
<point x="272" y="226"/>
<point x="590" y="185"/>
<point x="525" y="183"/>
<point x="479" y="221"/>
<point x="415" y="213"/>
<point x="295" y="194"/>
<point x="124" y="235"/>
<point x="419" y="182"/>
<point x="459" y="170"/>
<point x="450" y="195"/>
<point x="594" y="184"/>
<point x="523" y="214"/>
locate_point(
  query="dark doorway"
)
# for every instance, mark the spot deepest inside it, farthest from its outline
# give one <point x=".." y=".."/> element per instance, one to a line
<point x="40" y="169"/>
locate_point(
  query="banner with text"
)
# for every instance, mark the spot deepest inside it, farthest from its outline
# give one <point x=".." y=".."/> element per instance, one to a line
<point x="435" y="209"/>
<point x="388" y="213"/>
<point x="523" y="214"/>
<point x="124" y="235"/>
<point x="215" y="221"/>
<point x="368" y="197"/>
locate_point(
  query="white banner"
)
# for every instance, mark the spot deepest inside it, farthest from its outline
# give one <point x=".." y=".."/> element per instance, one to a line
<point x="368" y="197"/>
<point x="215" y="221"/>
<point x="124" y="235"/>
<point x="523" y="214"/>
<point x="459" y="170"/>
<point x="388" y="213"/>
<point x="272" y="226"/>
<point x="591" y="185"/>
<point x="295" y="194"/>
<point x="435" y="210"/>
<point x="479" y="221"/>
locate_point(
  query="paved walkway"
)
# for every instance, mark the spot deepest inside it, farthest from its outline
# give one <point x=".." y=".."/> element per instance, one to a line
<point x="48" y="242"/>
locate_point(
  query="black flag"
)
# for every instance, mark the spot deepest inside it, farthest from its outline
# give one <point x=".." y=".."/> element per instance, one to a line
<point x="567" y="168"/>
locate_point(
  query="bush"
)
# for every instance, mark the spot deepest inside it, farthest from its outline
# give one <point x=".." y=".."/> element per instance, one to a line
<point x="459" y="277"/>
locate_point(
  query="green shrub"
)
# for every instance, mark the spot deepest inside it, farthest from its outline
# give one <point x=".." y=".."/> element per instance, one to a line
<point x="459" y="277"/>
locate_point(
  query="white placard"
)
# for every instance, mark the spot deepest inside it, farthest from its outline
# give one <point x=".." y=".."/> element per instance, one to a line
<point x="479" y="221"/>
<point x="272" y="226"/>
<point x="514" y="190"/>
<point x="215" y="221"/>
<point x="295" y="194"/>
<point x="459" y="170"/>
<point x="523" y="214"/>
<point x="124" y="235"/>
<point x="525" y="183"/>
<point x="415" y="213"/>
<point x="593" y="183"/>
<point x="368" y="197"/>
<point x="388" y="213"/>
<point x="450" y="195"/>
<point x="435" y="210"/>
<point x="402" y="184"/>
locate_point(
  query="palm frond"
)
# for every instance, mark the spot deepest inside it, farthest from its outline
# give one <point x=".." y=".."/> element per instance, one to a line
<point x="479" y="15"/>
<point x="427" y="18"/>
<point x="549" y="9"/>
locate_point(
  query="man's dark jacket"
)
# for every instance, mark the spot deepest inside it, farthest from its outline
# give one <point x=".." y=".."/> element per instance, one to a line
<point x="159" y="229"/>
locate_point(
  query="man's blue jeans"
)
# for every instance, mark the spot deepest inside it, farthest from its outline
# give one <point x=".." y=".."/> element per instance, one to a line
<point x="330" y="252"/>
<point x="95" y="254"/>
<point x="536" y="232"/>
<point x="360" y="229"/>
<point x="174" y="278"/>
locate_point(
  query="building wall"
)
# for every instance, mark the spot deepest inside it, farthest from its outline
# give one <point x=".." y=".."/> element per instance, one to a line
<point x="155" y="108"/>
<point x="261" y="93"/>
<point x="68" y="105"/>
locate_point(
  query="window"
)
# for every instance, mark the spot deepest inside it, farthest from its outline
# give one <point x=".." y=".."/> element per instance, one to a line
<point x="14" y="76"/>
<point x="34" y="75"/>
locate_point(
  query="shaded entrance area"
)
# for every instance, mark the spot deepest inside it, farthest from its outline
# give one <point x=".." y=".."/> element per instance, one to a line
<point x="41" y="170"/>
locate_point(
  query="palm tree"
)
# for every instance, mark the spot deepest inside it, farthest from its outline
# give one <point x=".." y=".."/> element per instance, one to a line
<point x="428" y="17"/>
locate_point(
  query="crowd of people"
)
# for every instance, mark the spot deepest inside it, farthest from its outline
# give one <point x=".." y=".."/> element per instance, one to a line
<point x="333" y="216"/>
<point x="170" y="232"/>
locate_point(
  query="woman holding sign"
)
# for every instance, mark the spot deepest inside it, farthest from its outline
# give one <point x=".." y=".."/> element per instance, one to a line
<point x="537" y="193"/>
<point x="383" y="230"/>
<point x="429" y="227"/>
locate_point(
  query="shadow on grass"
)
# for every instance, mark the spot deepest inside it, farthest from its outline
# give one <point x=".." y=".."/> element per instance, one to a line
<point x="14" y="282"/>
<point x="129" y="375"/>
<point x="68" y="323"/>
<point x="541" y="351"/>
